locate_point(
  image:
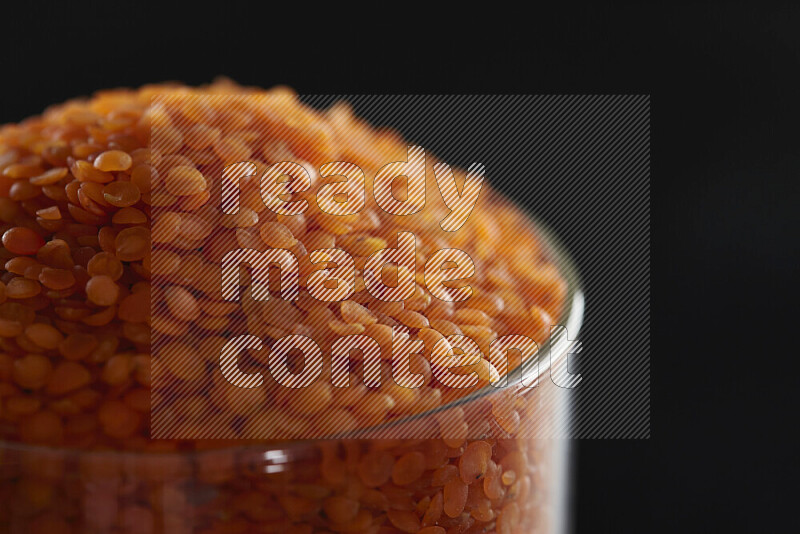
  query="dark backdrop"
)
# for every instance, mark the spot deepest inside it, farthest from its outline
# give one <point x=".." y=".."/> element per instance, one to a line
<point x="724" y="191"/>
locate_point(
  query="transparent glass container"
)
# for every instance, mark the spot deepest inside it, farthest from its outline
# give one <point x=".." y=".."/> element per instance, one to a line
<point x="497" y="481"/>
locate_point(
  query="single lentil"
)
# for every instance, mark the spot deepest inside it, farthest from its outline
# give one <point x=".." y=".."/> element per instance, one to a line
<point x="79" y="187"/>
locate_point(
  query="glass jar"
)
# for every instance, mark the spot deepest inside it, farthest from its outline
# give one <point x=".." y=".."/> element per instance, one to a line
<point x="508" y="480"/>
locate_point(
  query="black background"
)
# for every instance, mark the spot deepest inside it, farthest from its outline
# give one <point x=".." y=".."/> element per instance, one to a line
<point x="724" y="191"/>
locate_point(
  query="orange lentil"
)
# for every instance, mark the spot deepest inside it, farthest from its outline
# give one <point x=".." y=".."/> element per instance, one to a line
<point x="362" y="245"/>
<point x="129" y="216"/>
<point x="23" y="241"/>
<point x="141" y="177"/>
<point x="471" y="316"/>
<point x="474" y="461"/>
<point x="194" y="227"/>
<point x="19" y="264"/>
<point x="230" y="150"/>
<point x="182" y="304"/>
<point x="492" y="483"/>
<point x="353" y="312"/>
<point x="113" y="160"/>
<point x="201" y="136"/>
<point x="106" y="264"/>
<point x="184" y="180"/>
<point x="44" y="335"/>
<point x="276" y="235"/>
<point x="22" y="288"/>
<point x="121" y="194"/>
<point x="23" y="190"/>
<point x="166" y="227"/>
<point x="77" y="346"/>
<point x="444" y="474"/>
<point x="51" y="214"/>
<point x="32" y="371"/>
<point x="66" y="377"/>
<point x="106" y="239"/>
<point x="56" y="253"/>
<point x="132" y="243"/>
<point x="56" y="279"/>
<point x="117" y="369"/>
<point x="22" y="170"/>
<point x="412" y="319"/>
<point x="375" y="468"/>
<point x="86" y="172"/>
<point x="118" y="420"/>
<point x="81" y="189"/>
<point x="193" y="202"/>
<point x="102" y="290"/>
<point x="50" y="177"/>
<point x="434" y="511"/>
<point x="408" y="468"/>
<point x="56" y="154"/>
<point x="455" y="497"/>
<point x="101" y="318"/>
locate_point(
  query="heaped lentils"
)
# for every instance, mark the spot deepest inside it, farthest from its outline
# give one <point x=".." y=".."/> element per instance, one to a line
<point x="78" y="187"/>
